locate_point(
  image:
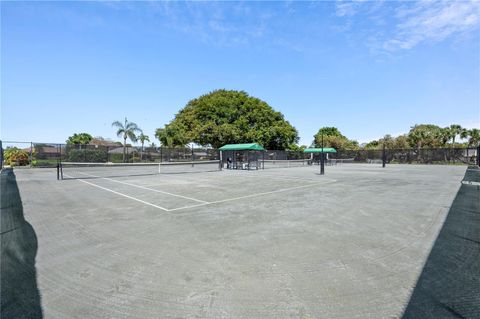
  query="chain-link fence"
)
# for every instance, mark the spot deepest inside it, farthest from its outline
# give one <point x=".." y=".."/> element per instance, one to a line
<point x="30" y="154"/>
<point x="406" y="156"/>
<point x="433" y="156"/>
<point x="50" y="154"/>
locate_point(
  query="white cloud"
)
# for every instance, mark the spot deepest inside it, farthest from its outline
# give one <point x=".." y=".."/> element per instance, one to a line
<point x="220" y="24"/>
<point x="429" y="21"/>
<point x="411" y="23"/>
<point x="343" y="9"/>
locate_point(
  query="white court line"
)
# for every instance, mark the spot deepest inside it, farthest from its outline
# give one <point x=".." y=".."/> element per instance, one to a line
<point x="147" y="188"/>
<point x="252" y="195"/>
<point x="283" y="177"/>
<point x="121" y="194"/>
<point x="206" y="203"/>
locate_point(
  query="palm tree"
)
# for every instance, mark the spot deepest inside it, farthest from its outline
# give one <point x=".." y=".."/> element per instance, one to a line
<point x="473" y="136"/>
<point x="455" y="130"/>
<point x="444" y="135"/>
<point x="126" y="130"/>
<point x="142" y="138"/>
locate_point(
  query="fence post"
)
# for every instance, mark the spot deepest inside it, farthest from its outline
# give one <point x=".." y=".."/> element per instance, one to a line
<point x="478" y="155"/>
<point x="31" y="154"/>
<point x="193" y="156"/>
<point x="384" y="156"/>
<point x="1" y="155"/>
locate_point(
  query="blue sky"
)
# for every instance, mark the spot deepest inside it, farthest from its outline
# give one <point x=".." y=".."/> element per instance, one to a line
<point x="368" y="68"/>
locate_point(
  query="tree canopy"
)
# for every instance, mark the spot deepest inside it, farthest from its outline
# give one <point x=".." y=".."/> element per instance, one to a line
<point x="399" y="142"/>
<point x="228" y="117"/>
<point x="473" y="136"/>
<point x="80" y="138"/>
<point x="427" y="136"/>
<point x="333" y="138"/>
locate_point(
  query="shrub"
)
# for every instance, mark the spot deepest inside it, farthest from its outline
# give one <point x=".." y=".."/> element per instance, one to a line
<point x="91" y="156"/>
<point x="16" y="157"/>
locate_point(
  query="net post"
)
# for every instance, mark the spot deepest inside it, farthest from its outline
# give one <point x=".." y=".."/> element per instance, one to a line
<point x="322" y="163"/>
<point x="322" y="160"/>
<point x="221" y="160"/>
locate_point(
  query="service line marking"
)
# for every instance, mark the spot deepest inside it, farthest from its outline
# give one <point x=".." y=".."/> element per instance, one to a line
<point x="282" y="177"/>
<point x="121" y="194"/>
<point x="254" y="195"/>
<point x="205" y="203"/>
<point x="148" y="188"/>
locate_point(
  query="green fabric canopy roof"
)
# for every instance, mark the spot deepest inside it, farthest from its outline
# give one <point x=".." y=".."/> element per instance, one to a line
<point x="242" y="147"/>
<point x="320" y="150"/>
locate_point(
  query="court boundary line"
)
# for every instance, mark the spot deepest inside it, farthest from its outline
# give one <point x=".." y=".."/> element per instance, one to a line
<point x="147" y="188"/>
<point x="281" y="177"/>
<point x="255" y="195"/>
<point x="121" y="194"/>
<point x="206" y="203"/>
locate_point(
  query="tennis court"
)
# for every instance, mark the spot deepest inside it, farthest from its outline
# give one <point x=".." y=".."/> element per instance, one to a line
<point x="276" y="243"/>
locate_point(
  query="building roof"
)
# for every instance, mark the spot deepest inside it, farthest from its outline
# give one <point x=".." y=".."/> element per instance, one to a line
<point x="242" y="147"/>
<point x="119" y="150"/>
<point x="320" y="150"/>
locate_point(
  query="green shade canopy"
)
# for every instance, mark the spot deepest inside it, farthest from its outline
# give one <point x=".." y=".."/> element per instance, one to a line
<point x="320" y="150"/>
<point x="242" y="147"/>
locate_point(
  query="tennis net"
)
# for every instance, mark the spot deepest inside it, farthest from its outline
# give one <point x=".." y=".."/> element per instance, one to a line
<point x="73" y="170"/>
<point x="284" y="163"/>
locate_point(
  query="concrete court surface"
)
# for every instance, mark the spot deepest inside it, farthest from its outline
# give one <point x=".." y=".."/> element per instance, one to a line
<point x="278" y="243"/>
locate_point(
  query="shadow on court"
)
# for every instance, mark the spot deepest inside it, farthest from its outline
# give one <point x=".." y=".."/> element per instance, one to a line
<point x="449" y="285"/>
<point x="20" y="297"/>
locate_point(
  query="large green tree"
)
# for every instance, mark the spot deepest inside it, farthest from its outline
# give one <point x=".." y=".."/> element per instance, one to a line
<point x="333" y="138"/>
<point x="401" y="142"/>
<point x="425" y="136"/>
<point x="126" y="130"/>
<point x="79" y="139"/>
<point x="223" y="117"/>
